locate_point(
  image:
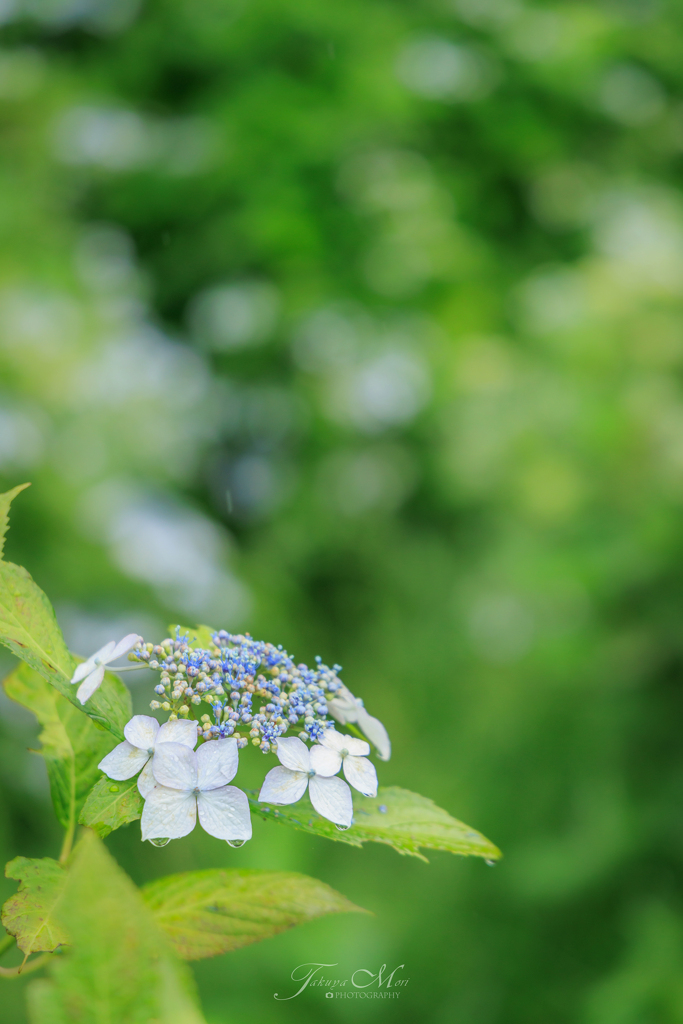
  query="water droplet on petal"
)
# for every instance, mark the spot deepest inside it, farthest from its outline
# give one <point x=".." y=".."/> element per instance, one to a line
<point x="236" y="843"/>
<point x="113" y="789"/>
<point x="159" y="842"/>
<point x="342" y="828"/>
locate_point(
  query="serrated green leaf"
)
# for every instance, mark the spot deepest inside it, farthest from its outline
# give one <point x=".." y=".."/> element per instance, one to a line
<point x="6" y="500"/>
<point x="30" y="913"/>
<point x="406" y="821"/>
<point x="29" y="628"/>
<point x="72" y="744"/>
<point x="119" y="966"/>
<point x="205" y="913"/>
<point x="111" y="805"/>
<point x="200" y="636"/>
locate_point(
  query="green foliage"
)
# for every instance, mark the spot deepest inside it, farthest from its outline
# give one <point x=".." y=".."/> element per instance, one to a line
<point x="407" y="822"/>
<point x="6" y="500"/>
<point x="72" y="744"/>
<point x="111" y="805"/>
<point x="30" y="914"/>
<point x="120" y="966"/>
<point x="205" y="913"/>
<point x="29" y="628"/>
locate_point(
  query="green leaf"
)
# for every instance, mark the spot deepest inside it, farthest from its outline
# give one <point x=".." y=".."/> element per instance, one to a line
<point x="111" y="805"/>
<point x="72" y="744"/>
<point x="6" y="500"/>
<point x="407" y="822"/>
<point x="29" y="628"/>
<point x="30" y="913"/>
<point x="205" y="913"/>
<point x="200" y="636"/>
<point x="120" y="967"/>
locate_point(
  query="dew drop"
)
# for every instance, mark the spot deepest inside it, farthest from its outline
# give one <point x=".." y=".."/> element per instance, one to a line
<point x="236" y="843"/>
<point x="113" y="789"/>
<point x="342" y="828"/>
<point x="159" y="842"/>
<point x="491" y="863"/>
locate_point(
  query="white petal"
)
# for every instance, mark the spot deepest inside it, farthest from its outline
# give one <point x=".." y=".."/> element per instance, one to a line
<point x="293" y="753"/>
<point x="183" y="730"/>
<point x="332" y="739"/>
<point x="340" y="741"/>
<point x="83" y="670"/>
<point x="90" y="684"/>
<point x="99" y="657"/>
<point x="123" y="646"/>
<point x="146" y="780"/>
<point x="343" y="706"/>
<point x="324" y="761"/>
<point x="141" y="731"/>
<point x="168" y="814"/>
<point x="361" y="774"/>
<point x="376" y="733"/>
<point x="224" y="813"/>
<point x="124" y="761"/>
<point x="217" y="763"/>
<point x="175" y="766"/>
<point x="282" y="786"/>
<point x="332" y="798"/>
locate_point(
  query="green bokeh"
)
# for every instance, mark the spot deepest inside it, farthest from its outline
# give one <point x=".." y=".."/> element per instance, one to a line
<point x="359" y="326"/>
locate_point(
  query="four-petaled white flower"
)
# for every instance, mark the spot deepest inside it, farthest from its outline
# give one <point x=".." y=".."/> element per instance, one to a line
<point x="337" y="750"/>
<point x="90" y="673"/>
<point x="189" y="782"/>
<point x="143" y="736"/>
<point x="299" y="768"/>
<point x="346" y="708"/>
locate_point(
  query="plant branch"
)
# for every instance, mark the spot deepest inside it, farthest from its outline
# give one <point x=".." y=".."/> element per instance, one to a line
<point x="25" y="968"/>
<point x="68" y="842"/>
<point x="7" y="943"/>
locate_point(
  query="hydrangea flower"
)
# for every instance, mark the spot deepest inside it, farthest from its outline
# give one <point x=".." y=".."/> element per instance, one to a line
<point x="188" y="783"/>
<point x="299" y="768"/>
<point x="90" y="673"/>
<point x="143" y="736"/>
<point x="347" y="709"/>
<point x="338" y="750"/>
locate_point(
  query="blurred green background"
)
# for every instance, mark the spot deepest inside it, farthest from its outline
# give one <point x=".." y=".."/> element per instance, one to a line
<point x="360" y="326"/>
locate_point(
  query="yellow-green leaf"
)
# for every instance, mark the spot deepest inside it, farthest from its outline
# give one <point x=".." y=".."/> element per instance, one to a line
<point x="30" y="913"/>
<point x="205" y="913"/>
<point x="397" y="817"/>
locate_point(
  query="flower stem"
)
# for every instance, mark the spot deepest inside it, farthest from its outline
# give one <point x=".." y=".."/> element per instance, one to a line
<point x="6" y="943"/>
<point x="68" y="843"/>
<point x="126" y="668"/>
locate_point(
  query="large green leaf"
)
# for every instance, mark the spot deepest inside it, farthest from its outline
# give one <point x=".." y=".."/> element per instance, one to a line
<point x="119" y="968"/>
<point x="205" y="913"/>
<point x="30" y="913"/>
<point x="29" y="628"/>
<point x="396" y="817"/>
<point x="111" y="805"/>
<point x="72" y="744"/>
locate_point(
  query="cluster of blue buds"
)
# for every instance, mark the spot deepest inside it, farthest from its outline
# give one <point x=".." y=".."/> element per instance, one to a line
<point x="251" y="686"/>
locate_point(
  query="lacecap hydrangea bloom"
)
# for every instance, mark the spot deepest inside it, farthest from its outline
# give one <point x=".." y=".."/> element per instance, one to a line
<point x="254" y="692"/>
